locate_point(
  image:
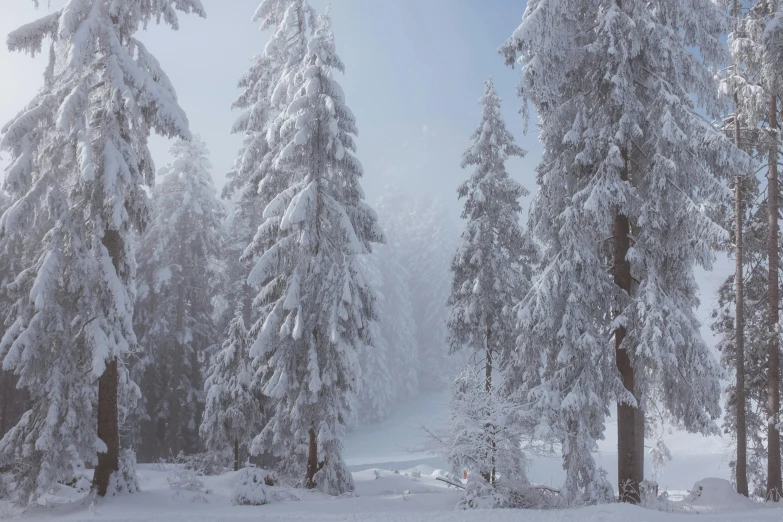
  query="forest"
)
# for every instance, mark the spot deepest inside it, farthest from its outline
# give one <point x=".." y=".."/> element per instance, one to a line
<point x="229" y="338"/>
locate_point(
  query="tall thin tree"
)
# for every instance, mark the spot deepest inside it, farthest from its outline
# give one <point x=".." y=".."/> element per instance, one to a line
<point x="741" y="466"/>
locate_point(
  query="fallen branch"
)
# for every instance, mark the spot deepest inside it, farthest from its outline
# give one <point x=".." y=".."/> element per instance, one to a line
<point x="447" y="481"/>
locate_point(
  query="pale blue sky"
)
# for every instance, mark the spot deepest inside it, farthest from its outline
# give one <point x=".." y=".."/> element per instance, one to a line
<point x="414" y="72"/>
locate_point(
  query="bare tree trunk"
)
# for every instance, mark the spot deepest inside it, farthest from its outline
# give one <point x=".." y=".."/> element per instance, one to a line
<point x="236" y="454"/>
<point x="312" y="461"/>
<point x="630" y="421"/>
<point x="741" y="468"/>
<point x="490" y="475"/>
<point x="108" y="383"/>
<point x="6" y="387"/>
<point x="774" y="487"/>
<point x="175" y="406"/>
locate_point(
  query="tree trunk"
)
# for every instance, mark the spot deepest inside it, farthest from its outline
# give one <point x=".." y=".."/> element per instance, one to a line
<point x="108" y="383"/>
<point x="236" y="454"/>
<point x="6" y="387"/>
<point x="175" y="401"/>
<point x="630" y="421"/>
<point x="774" y="487"/>
<point x="490" y="475"/>
<point x="312" y="461"/>
<point x="741" y="468"/>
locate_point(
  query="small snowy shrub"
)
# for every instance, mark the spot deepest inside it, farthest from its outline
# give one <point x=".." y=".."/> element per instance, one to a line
<point x="255" y="488"/>
<point x="415" y="473"/>
<point x="185" y="479"/>
<point x="123" y="480"/>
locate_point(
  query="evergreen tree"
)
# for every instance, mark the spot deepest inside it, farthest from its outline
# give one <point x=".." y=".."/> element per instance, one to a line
<point x="627" y="168"/>
<point x="378" y="389"/>
<point x="13" y="401"/>
<point x="316" y="308"/>
<point x="433" y="239"/>
<point x="79" y="158"/>
<point x="233" y="412"/>
<point x="177" y="260"/>
<point x="258" y="102"/>
<point x="397" y="326"/>
<point x="485" y="281"/>
<point x="755" y="347"/>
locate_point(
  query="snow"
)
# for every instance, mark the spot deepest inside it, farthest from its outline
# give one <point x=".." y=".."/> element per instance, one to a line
<point x="413" y="495"/>
<point x="715" y="494"/>
<point x="397" y="443"/>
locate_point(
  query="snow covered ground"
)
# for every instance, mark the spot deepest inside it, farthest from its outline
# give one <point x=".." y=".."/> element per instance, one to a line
<point x="380" y="496"/>
<point x="385" y="462"/>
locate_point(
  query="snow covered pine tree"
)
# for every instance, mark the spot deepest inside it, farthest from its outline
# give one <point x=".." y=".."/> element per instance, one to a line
<point x="316" y="308"/>
<point x="234" y="410"/>
<point x="490" y="276"/>
<point x="628" y="165"/>
<point x="378" y="390"/>
<point x="398" y="326"/>
<point x="79" y="160"/>
<point x="177" y="266"/>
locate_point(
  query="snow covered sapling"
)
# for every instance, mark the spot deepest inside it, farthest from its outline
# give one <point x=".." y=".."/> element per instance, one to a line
<point x="234" y="410"/>
<point x="79" y="158"/>
<point x="485" y="436"/>
<point x="490" y="274"/>
<point x="628" y="166"/>
<point x="316" y="308"/>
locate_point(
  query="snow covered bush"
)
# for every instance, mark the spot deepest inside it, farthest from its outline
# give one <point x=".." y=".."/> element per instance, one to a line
<point x="125" y="479"/>
<point x="718" y="495"/>
<point x="185" y="479"/>
<point x="485" y="430"/>
<point x="480" y="494"/>
<point x="256" y="487"/>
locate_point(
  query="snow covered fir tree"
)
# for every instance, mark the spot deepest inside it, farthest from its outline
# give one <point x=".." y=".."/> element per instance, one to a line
<point x="260" y="328"/>
<point x="490" y="275"/>
<point x="317" y="309"/>
<point x="79" y="158"/>
<point x="628" y="165"/>
<point x="177" y="275"/>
